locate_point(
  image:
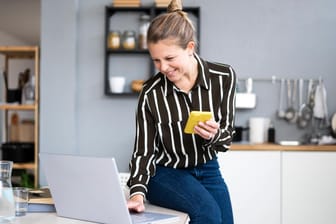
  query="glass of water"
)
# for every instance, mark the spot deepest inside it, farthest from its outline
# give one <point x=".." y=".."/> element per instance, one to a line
<point x="21" y="200"/>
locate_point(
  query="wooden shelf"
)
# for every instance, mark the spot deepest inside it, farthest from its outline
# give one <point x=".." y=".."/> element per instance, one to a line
<point x="24" y="166"/>
<point x="31" y="53"/>
<point x="18" y="51"/>
<point x="17" y="107"/>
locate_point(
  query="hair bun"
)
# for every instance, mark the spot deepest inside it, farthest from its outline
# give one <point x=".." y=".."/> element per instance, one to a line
<point x="175" y="6"/>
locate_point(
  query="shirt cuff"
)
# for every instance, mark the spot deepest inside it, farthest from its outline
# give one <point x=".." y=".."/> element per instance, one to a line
<point x="138" y="189"/>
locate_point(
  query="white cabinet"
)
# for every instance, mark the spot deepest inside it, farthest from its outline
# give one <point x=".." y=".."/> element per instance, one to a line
<point x="308" y="187"/>
<point x="253" y="179"/>
<point x="281" y="187"/>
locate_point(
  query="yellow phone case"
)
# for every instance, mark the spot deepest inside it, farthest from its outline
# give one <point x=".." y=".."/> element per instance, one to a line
<point x="194" y="118"/>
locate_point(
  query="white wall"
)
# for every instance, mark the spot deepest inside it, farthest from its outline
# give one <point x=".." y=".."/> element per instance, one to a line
<point x="259" y="38"/>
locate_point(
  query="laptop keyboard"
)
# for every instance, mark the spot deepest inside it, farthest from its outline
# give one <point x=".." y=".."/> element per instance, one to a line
<point x="123" y="179"/>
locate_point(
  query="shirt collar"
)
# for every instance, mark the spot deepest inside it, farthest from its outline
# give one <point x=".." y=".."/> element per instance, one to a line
<point x="202" y="77"/>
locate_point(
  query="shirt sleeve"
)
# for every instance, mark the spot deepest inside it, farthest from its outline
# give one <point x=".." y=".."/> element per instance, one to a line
<point x="142" y="164"/>
<point x="222" y="140"/>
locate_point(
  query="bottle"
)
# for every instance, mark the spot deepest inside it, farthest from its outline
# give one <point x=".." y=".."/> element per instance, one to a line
<point x="7" y="205"/>
<point x="28" y="91"/>
<point x="144" y="24"/>
<point x="271" y="133"/>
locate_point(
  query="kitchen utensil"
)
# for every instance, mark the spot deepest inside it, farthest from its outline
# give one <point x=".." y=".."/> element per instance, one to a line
<point x="294" y="103"/>
<point x="281" y="112"/>
<point x="325" y="106"/>
<point x="301" y="121"/>
<point x="311" y="88"/>
<point x="306" y="110"/>
<point x="290" y="111"/>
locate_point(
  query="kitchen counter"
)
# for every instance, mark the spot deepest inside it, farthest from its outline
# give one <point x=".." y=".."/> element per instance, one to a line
<point x="277" y="147"/>
<point x="51" y="217"/>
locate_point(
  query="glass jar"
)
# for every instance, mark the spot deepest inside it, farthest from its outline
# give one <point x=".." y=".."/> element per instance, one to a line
<point x="113" y="41"/>
<point x="144" y="25"/>
<point x="128" y="42"/>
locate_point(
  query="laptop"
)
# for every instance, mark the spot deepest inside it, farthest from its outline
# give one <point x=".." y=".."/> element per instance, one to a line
<point x="89" y="189"/>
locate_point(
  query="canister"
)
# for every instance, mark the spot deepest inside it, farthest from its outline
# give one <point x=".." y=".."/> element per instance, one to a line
<point x="128" y="42"/>
<point x="113" y="40"/>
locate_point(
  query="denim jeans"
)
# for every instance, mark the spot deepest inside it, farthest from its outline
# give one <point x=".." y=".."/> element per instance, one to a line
<point x="200" y="192"/>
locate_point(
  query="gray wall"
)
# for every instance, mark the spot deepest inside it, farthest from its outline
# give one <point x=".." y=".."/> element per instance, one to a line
<point x="288" y="39"/>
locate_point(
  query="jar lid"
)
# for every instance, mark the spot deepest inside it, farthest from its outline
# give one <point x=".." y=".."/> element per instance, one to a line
<point x="129" y="32"/>
<point x="144" y="17"/>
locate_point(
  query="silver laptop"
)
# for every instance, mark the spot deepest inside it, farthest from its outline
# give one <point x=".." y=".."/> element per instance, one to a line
<point x="88" y="188"/>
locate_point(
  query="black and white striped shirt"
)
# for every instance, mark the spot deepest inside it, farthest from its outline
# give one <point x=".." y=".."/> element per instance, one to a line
<point x="162" y="113"/>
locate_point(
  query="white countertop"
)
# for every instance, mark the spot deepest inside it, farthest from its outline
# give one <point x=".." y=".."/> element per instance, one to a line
<point x="52" y="218"/>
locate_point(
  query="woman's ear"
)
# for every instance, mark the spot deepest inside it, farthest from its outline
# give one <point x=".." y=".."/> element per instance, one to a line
<point x="191" y="47"/>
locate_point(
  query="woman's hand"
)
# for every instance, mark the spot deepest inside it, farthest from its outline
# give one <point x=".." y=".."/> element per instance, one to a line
<point x="136" y="203"/>
<point x="207" y="130"/>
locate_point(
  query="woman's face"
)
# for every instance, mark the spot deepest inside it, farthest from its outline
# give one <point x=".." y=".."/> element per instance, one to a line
<point x="170" y="59"/>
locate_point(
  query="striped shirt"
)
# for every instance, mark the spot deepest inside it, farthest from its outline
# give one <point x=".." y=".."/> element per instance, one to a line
<point x="162" y="113"/>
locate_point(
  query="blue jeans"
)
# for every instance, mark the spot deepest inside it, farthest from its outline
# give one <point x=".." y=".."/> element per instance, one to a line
<point x="200" y="192"/>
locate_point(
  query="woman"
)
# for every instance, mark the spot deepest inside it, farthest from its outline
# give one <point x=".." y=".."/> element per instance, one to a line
<point x="169" y="167"/>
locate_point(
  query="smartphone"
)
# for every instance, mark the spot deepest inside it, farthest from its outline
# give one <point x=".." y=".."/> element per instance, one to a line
<point x="194" y="118"/>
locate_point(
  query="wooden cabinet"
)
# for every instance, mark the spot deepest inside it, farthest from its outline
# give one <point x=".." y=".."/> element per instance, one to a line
<point x="135" y="63"/>
<point x="9" y="54"/>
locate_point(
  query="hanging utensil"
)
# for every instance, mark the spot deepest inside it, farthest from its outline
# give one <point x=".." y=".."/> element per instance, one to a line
<point x="324" y="102"/>
<point x="301" y="121"/>
<point x="281" y="112"/>
<point x="306" y="109"/>
<point x="290" y="111"/>
<point x="312" y="87"/>
<point x="294" y="104"/>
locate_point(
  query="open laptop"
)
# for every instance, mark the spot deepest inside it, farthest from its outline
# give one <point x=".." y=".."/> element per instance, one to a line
<point x="88" y="188"/>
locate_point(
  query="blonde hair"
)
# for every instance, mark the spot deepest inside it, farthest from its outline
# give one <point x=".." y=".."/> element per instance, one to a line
<point x="174" y="24"/>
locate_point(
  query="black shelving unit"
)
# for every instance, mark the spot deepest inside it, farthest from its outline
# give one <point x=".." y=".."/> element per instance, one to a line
<point x="112" y="13"/>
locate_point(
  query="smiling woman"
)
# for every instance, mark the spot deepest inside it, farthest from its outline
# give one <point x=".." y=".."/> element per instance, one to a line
<point x="166" y="160"/>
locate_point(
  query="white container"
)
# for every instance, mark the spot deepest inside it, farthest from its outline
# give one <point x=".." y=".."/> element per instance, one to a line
<point x="258" y="129"/>
<point x="246" y="100"/>
<point x="117" y="84"/>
